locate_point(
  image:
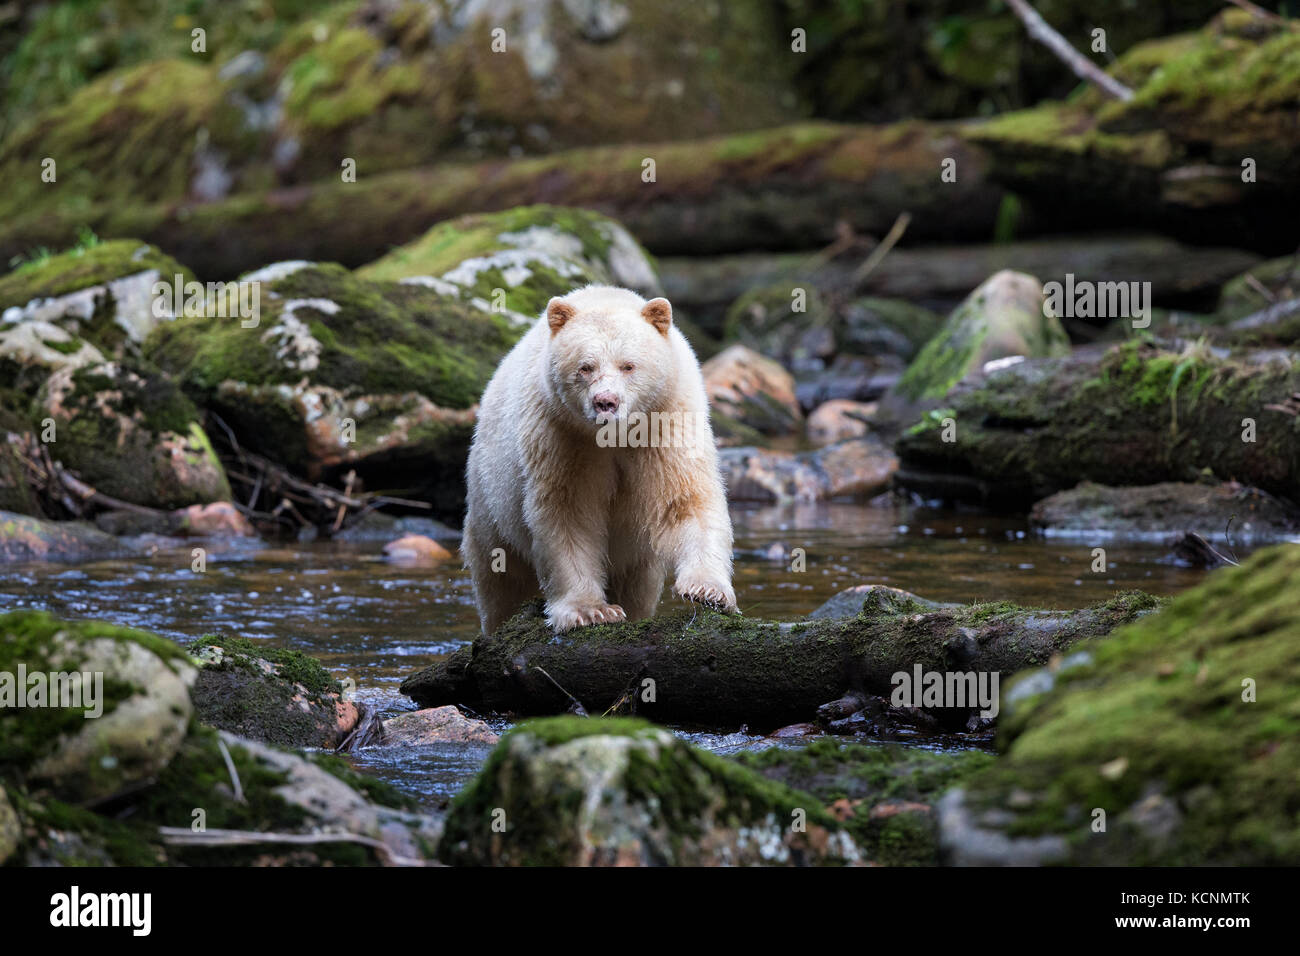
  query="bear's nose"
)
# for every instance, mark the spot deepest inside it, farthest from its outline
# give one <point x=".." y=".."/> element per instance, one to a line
<point x="605" y="402"/>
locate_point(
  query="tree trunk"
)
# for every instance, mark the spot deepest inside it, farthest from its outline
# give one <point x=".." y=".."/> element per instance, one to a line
<point x="699" y="667"/>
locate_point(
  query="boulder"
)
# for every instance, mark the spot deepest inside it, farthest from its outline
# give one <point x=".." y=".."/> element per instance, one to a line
<point x="271" y="694"/>
<point x="785" y="321"/>
<point x="1006" y="316"/>
<point x="115" y="726"/>
<point x="589" y="792"/>
<point x="1218" y="511"/>
<point x="436" y="725"/>
<point x="856" y="467"/>
<point x="752" y="391"/>
<point x="131" y="433"/>
<point x="837" y="420"/>
<point x="1171" y="742"/>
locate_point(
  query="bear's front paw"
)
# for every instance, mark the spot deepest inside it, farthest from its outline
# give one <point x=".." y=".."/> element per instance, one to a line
<point x="717" y="595"/>
<point x="565" y="617"/>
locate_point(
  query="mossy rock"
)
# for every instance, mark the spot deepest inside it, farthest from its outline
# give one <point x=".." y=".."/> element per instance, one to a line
<point x="1182" y="727"/>
<point x="1005" y="316"/>
<point x="130" y="432"/>
<point x="343" y="372"/>
<point x="529" y="254"/>
<point x="787" y="321"/>
<point x="27" y="538"/>
<point x="279" y="793"/>
<point x="884" y="794"/>
<point x="273" y="695"/>
<point x="876" y="326"/>
<point x="98" y="292"/>
<point x="116" y="725"/>
<point x="581" y="791"/>
<point x="16" y="493"/>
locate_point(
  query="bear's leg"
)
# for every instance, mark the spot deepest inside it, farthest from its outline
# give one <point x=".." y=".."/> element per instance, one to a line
<point x="702" y="558"/>
<point x="637" y="588"/>
<point x="503" y="579"/>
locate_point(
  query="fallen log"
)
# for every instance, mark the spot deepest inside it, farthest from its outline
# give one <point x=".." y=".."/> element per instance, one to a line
<point x="1135" y="414"/>
<point x="695" y="666"/>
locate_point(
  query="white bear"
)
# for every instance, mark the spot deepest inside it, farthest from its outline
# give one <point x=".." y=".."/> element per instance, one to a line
<point x="568" y="491"/>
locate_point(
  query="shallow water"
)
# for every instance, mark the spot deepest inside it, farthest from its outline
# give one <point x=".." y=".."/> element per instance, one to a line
<point x="377" y="623"/>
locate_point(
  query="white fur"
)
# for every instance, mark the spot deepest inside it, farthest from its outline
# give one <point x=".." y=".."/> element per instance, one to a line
<point x="598" y="528"/>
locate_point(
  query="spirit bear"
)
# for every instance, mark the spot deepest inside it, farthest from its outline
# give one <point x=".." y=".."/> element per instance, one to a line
<point x="573" y="487"/>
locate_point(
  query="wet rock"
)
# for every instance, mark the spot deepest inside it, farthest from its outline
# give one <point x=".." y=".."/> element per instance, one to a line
<point x="752" y="390"/>
<point x="893" y="327"/>
<point x="796" y="730"/>
<point x="416" y="549"/>
<point x="115" y="726"/>
<point x="623" y="793"/>
<point x="1246" y="516"/>
<point x="1005" y="316"/>
<point x="1167" y="728"/>
<point x="24" y="538"/>
<point x="857" y="467"/>
<point x="277" y="696"/>
<point x="875" y="598"/>
<point x="883" y="794"/>
<point x="218" y="519"/>
<point x="837" y="420"/>
<point x="849" y="378"/>
<point x="379" y="527"/>
<point x="436" y="725"/>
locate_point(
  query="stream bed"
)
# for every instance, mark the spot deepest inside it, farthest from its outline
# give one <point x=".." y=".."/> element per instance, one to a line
<point x="376" y="623"/>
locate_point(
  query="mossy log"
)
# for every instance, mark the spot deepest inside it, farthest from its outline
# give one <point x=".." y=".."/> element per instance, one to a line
<point x="780" y="188"/>
<point x="1134" y="414"/>
<point x="699" y="667"/>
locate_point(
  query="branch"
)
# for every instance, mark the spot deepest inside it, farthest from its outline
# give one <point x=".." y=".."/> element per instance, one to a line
<point x="1083" y="68"/>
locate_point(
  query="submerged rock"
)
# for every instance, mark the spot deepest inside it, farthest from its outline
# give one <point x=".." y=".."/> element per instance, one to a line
<point x="270" y="694"/>
<point x="1215" y="510"/>
<point x="592" y="792"/>
<point x="112" y="727"/>
<point x="415" y="549"/>
<point x="1174" y="742"/>
<point x="24" y="538"/>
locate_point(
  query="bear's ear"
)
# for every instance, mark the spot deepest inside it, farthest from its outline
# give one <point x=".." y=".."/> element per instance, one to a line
<point x="558" y="312"/>
<point x="659" y="314"/>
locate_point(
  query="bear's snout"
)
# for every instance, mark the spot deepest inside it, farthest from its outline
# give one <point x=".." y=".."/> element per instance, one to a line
<point x="605" y="403"/>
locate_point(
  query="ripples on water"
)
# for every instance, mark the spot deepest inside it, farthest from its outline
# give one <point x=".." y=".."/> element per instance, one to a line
<point x="378" y="623"/>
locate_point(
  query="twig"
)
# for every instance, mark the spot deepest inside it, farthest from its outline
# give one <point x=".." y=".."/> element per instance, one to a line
<point x="1083" y="68"/>
<point x="1275" y="312"/>
<point x="878" y="254"/>
<point x="581" y="711"/>
<point x="230" y="767"/>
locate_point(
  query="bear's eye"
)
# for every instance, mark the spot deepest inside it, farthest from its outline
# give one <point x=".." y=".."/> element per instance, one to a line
<point x="628" y="366"/>
<point x="586" y="368"/>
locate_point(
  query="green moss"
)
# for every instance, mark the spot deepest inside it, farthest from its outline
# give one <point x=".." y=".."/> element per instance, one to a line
<point x="683" y="786"/>
<point x="384" y="338"/>
<point x="27" y="638"/>
<point x="84" y="266"/>
<point x="292" y="665"/>
<point x="1160" y="710"/>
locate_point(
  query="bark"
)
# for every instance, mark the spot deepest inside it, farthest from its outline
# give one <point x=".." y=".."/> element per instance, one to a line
<point x="780" y="188"/>
<point x="1129" y="415"/>
<point x="716" y="670"/>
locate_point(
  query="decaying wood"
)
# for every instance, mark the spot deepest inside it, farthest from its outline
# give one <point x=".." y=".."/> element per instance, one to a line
<point x="700" y="667"/>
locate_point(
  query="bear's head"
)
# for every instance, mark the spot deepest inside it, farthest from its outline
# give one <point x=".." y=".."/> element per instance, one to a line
<point x="611" y="353"/>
